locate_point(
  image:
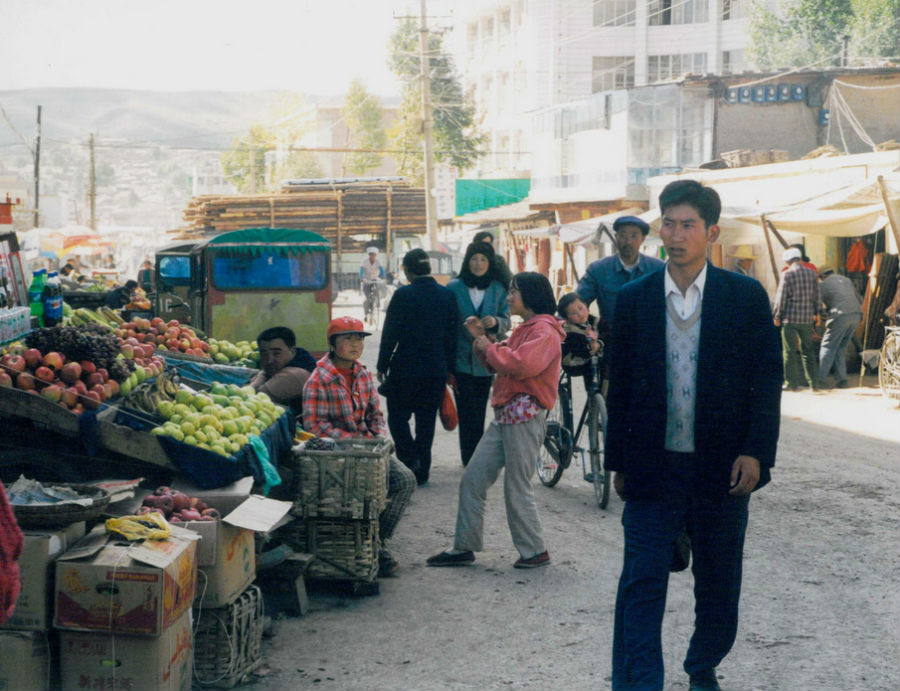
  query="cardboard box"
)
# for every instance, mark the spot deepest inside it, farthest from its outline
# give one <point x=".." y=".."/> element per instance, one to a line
<point x="226" y="555"/>
<point x="24" y="661"/>
<point x="34" y="605"/>
<point x="106" y="584"/>
<point x="110" y="661"/>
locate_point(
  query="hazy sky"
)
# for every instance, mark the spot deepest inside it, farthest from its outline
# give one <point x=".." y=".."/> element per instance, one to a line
<point x="314" y="46"/>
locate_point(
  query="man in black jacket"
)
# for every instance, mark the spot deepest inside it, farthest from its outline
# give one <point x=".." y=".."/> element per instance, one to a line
<point x="694" y="410"/>
<point x="417" y="355"/>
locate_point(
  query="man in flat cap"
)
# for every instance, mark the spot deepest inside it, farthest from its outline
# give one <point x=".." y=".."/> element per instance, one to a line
<point x="796" y="311"/>
<point x="604" y="277"/>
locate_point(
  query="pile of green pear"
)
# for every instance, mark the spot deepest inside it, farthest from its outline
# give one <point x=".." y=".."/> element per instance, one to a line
<point x="242" y="353"/>
<point x="220" y="420"/>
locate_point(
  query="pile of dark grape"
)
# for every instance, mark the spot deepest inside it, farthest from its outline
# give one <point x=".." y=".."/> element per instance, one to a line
<point x="85" y="342"/>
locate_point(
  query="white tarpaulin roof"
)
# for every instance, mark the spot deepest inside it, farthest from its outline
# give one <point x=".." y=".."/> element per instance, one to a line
<point x="836" y="197"/>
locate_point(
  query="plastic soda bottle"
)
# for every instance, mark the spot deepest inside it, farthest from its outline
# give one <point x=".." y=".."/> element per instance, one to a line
<point x="53" y="300"/>
<point x="36" y="295"/>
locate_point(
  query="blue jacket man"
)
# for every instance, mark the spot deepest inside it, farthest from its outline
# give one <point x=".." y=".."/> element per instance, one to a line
<point x="604" y="277"/>
<point x="694" y="410"/>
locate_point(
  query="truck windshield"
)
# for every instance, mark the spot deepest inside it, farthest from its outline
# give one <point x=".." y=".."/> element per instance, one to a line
<point x="270" y="270"/>
<point x="175" y="267"/>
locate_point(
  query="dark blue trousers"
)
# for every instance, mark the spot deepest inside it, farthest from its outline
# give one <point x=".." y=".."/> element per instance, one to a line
<point x="716" y="523"/>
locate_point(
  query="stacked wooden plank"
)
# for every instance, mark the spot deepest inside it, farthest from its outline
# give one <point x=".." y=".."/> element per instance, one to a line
<point x="350" y="215"/>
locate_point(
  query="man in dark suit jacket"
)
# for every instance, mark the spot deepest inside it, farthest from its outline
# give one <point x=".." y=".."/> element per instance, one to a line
<point x="416" y="357"/>
<point x="694" y="409"/>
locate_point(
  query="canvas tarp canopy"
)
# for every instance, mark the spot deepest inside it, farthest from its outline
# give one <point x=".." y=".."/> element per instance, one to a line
<point x="836" y="197"/>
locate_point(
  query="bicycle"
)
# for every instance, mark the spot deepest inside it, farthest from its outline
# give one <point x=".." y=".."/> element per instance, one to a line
<point x="372" y="301"/>
<point x="560" y="442"/>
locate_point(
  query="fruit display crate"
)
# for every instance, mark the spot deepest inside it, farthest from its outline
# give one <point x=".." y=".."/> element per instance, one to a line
<point x="344" y="550"/>
<point x="178" y="355"/>
<point x="228" y="640"/>
<point x="349" y="481"/>
<point x="18" y="403"/>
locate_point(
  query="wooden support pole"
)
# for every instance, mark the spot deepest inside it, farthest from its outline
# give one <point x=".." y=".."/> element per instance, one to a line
<point x="784" y="243"/>
<point x="892" y="218"/>
<point x="765" y="228"/>
<point x="568" y="247"/>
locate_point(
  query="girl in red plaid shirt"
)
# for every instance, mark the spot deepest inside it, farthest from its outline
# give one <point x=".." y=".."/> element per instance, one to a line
<point x="340" y="401"/>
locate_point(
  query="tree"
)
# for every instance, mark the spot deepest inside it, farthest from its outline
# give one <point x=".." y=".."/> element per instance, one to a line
<point x="811" y="32"/>
<point x="245" y="164"/>
<point x="363" y="116"/>
<point x="268" y="154"/>
<point x="457" y="139"/>
<point x="874" y="31"/>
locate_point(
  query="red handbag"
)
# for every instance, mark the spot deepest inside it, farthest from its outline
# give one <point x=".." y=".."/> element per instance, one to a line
<point x="449" y="418"/>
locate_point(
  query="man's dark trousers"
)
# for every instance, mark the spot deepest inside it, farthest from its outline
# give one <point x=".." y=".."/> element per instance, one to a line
<point x="716" y="523"/>
<point x="471" y="406"/>
<point x="421" y="398"/>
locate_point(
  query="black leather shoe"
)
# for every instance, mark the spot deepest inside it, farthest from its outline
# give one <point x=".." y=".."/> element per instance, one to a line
<point x="448" y="559"/>
<point x="705" y="681"/>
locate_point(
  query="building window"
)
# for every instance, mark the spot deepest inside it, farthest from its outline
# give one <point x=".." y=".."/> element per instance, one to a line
<point x="732" y="61"/>
<point x="732" y="9"/>
<point x="614" y="12"/>
<point x="663" y="67"/>
<point x="611" y="73"/>
<point x="662" y="12"/>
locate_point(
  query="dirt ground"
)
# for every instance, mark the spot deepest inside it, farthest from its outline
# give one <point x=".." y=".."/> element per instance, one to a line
<point x="820" y="604"/>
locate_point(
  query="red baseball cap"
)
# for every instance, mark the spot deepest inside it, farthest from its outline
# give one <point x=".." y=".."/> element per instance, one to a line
<point x="346" y="325"/>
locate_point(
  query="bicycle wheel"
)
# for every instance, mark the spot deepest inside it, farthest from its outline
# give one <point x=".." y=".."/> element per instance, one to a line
<point x="555" y="450"/>
<point x="376" y="312"/>
<point x="596" y="428"/>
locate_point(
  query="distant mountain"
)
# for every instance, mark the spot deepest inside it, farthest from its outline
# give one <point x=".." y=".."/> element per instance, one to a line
<point x="190" y="118"/>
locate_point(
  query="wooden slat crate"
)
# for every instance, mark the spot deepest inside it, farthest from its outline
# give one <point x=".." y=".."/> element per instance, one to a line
<point x="343" y="550"/>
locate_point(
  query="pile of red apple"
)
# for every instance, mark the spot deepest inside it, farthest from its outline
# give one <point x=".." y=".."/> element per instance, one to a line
<point x="177" y="507"/>
<point x="162" y="335"/>
<point x="78" y="386"/>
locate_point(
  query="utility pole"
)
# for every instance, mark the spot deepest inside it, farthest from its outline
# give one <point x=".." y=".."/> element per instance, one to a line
<point x="37" y="172"/>
<point x="92" y="189"/>
<point x="252" y="162"/>
<point x="427" y="129"/>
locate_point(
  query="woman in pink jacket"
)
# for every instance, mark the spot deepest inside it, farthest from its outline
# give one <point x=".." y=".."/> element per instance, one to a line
<point x="527" y="367"/>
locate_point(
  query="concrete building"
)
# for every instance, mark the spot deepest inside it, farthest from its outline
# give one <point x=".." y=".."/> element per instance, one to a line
<point x="523" y="57"/>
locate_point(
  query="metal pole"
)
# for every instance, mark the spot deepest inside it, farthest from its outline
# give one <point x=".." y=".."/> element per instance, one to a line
<point x="37" y="172"/>
<point x="92" y="189"/>
<point x="427" y="127"/>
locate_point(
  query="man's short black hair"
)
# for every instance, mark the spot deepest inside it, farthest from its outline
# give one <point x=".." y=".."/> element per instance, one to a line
<point x="276" y="332"/>
<point x="704" y="199"/>
<point x="131" y="284"/>
<point x="535" y="291"/>
<point x="484" y="236"/>
<point x="416" y="261"/>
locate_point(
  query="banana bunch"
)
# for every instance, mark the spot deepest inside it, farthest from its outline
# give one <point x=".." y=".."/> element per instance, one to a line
<point x="147" y="396"/>
<point x="105" y="316"/>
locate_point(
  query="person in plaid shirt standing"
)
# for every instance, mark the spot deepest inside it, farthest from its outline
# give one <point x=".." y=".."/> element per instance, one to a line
<point x="340" y="402"/>
<point x="796" y="310"/>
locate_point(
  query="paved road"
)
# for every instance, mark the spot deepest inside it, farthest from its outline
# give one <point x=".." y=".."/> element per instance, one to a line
<point x="820" y="608"/>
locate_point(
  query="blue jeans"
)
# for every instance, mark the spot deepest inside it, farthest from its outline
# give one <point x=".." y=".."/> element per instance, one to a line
<point x="716" y="524"/>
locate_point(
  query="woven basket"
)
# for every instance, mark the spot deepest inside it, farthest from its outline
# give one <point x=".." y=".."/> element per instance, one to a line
<point x="228" y="640"/>
<point x="347" y="482"/>
<point x="343" y="550"/>
<point x="62" y="514"/>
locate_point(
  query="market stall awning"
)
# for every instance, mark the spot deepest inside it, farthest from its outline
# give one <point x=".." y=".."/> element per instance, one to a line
<point x="583" y="232"/>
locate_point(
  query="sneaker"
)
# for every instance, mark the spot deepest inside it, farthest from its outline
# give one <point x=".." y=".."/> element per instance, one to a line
<point x="448" y="559"/>
<point x="386" y="563"/>
<point x="537" y="560"/>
